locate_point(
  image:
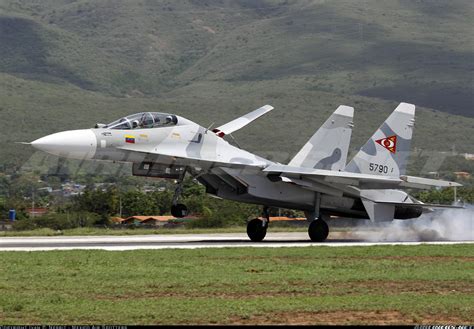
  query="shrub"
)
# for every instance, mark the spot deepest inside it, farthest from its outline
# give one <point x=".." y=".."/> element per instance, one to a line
<point x="59" y="221"/>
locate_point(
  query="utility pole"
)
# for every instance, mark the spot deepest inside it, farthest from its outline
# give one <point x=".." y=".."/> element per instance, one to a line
<point x="33" y="202"/>
<point x="119" y="188"/>
<point x="120" y="204"/>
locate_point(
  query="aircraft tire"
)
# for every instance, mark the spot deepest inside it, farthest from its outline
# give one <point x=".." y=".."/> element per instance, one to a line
<point x="179" y="210"/>
<point x="318" y="230"/>
<point x="255" y="231"/>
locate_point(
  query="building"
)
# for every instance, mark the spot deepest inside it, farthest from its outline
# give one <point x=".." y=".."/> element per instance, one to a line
<point x="462" y="174"/>
<point x="33" y="212"/>
<point x="170" y="221"/>
<point x="469" y="156"/>
<point x="286" y="219"/>
<point x="149" y="220"/>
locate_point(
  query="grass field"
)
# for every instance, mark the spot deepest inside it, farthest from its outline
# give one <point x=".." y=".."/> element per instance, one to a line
<point x="361" y="285"/>
<point x="143" y="231"/>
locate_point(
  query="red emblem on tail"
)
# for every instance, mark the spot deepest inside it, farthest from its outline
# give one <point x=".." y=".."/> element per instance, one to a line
<point x="390" y="143"/>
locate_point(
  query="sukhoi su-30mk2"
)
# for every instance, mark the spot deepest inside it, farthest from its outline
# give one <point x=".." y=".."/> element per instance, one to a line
<point x="317" y="180"/>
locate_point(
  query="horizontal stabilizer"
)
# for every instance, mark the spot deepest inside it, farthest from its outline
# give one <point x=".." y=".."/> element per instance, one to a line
<point x="426" y="183"/>
<point x="418" y="205"/>
<point x="241" y="122"/>
<point x="379" y="212"/>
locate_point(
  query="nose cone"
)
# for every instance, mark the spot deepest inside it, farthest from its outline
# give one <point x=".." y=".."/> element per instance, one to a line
<point x="75" y="144"/>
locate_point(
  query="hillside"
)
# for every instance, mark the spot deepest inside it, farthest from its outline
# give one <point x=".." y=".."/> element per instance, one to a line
<point x="67" y="64"/>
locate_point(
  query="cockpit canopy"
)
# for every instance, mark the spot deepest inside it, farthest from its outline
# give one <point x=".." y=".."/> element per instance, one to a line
<point x="144" y="120"/>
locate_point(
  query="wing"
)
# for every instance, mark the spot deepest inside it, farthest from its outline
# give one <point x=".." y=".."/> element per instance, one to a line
<point x="357" y="179"/>
<point x="167" y="155"/>
<point x="241" y="122"/>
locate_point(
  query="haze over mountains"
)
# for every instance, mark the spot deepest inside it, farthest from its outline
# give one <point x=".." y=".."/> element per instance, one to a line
<point x="67" y="64"/>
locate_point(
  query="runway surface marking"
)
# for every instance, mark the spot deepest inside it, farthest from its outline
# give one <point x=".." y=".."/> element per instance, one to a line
<point x="189" y="241"/>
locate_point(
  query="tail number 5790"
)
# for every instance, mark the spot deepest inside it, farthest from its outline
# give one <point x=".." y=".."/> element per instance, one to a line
<point x="375" y="167"/>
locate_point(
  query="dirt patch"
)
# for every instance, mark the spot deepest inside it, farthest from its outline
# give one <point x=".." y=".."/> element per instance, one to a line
<point x="380" y="287"/>
<point x="305" y="259"/>
<point x="402" y="287"/>
<point x="413" y="258"/>
<point x="344" y="318"/>
<point x="208" y="29"/>
<point x="307" y="289"/>
<point x="203" y="295"/>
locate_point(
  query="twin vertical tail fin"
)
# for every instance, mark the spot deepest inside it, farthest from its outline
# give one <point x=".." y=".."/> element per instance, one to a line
<point x="386" y="152"/>
<point x="328" y="147"/>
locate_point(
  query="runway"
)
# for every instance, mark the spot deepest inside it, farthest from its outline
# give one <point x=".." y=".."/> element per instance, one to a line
<point x="189" y="241"/>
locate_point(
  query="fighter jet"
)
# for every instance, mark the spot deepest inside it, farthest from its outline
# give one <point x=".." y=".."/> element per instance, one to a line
<point x="317" y="180"/>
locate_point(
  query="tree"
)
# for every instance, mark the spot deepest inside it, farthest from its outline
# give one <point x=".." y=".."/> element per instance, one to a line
<point x="162" y="201"/>
<point x="104" y="203"/>
<point x="138" y="203"/>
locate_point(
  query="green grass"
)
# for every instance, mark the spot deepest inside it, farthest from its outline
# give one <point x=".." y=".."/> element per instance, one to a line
<point x="142" y="231"/>
<point x="397" y="284"/>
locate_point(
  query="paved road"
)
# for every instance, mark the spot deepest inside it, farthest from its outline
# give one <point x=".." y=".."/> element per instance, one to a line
<point x="187" y="241"/>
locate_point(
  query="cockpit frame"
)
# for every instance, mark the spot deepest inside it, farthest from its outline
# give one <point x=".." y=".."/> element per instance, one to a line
<point x="144" y="120"/>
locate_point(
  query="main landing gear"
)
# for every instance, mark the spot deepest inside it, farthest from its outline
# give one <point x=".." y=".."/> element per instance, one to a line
<point x="318" y="229"/>
<point x="257" y="228"/>
<point x="179" y="210"/>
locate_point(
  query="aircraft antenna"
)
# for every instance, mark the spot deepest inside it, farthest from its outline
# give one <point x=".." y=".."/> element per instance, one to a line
<point x="235" y="141"/>
<point x="210" y="126"/>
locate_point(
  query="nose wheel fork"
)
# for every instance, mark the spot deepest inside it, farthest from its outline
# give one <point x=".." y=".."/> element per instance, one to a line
<point x="179" y="210"/>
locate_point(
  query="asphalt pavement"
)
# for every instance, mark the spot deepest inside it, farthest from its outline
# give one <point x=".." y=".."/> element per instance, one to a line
<point x="191" y="241"/>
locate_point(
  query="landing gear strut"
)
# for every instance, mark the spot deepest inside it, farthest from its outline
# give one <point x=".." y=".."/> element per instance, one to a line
<point x="257" y="228"/>
<point x="318" y="229"/>
<point x="179" y="210"/>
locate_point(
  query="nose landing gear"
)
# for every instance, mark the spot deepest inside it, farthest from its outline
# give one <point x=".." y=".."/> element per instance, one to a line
<point x="179" y="210"/>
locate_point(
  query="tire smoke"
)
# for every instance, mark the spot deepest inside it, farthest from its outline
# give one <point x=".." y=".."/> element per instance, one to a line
<point x="439" y="225"/>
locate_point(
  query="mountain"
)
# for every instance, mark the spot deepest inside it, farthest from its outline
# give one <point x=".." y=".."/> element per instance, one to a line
<point x="68" y="64"/>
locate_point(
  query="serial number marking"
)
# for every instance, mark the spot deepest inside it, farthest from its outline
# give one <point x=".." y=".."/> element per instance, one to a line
<point x="383" y="169"/>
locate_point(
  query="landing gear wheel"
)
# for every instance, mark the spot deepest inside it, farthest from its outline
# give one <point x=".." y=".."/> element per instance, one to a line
<point x="179" y="210"/>
<point x="318" y="230"/>
<point x="256" y="230"/>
